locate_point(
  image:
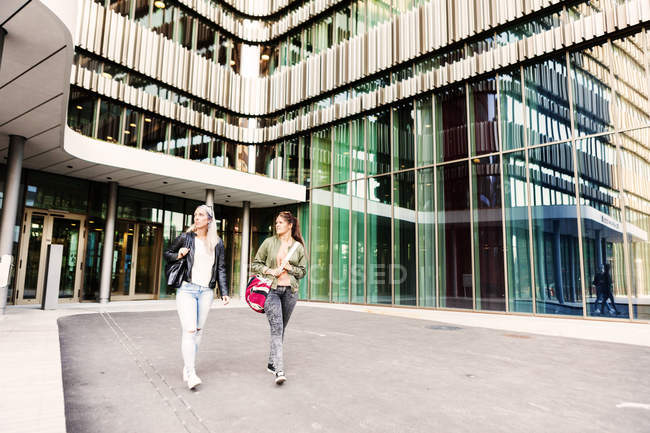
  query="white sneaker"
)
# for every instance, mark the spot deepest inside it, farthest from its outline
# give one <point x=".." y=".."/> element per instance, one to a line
<point x="193" y="380"/>
<point x="280" y="378"/>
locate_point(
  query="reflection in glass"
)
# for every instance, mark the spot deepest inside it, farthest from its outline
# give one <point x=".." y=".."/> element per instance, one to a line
<point x="290" y="161"/>
<point x="426" y="238"/>
<point x="547" y="101"/>
<point x="304" y="148"/>
<point x="602" y="231"/>
<point x="92" y="269"/>
<point x="341" y="152"/>
<point x="357" y="242"/>
<point x="154" y="130"/>
<point x="592" y="96"/>
<point x="379" y="244"/>
<point x="454" y="244"/>
<point x="515" y="193"/>
<point x="378" y="143"/>
<point x="631" y="76"/>
<point x="178" y="141"/>
<point x="108" y="128"/>
<point x="321" y="149"/>
<point x="404" y="269"/>
<point x="265" y="159"/>
<point x="555" y="230"/>
<point x="451" y="124"/>
<point x="200" y="147"/>
<point x="122" y="258"/>
<point x="303" y="217"/>
<point x="66" y="232"/>
<point x="424" y="131"/>
<point x="131" y="121"/>
<point x="483" y="109"/>
<point x="511" y="110"/>
<point x="321" y="201"/>
<point x="403" y="145"/>
<point x="147" y="264"/>
<point x="81" y="111"/>
<point x="341" y="242"/>
<point x="33" y="256"/>
<point x="357" y="133"/>
<point x="488" y="234"/>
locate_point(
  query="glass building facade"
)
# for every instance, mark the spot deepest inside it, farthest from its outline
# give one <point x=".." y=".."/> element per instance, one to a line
<point x="473" y="157"/>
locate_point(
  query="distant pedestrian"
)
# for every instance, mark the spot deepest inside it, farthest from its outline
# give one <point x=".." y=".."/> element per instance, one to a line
<point x="204" y="252"/>
<point x="603" y="283"/>
<point x="282" y="297"/>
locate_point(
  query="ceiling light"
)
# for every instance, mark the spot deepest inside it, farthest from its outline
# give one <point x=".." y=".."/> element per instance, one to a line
<point x="132" y="125"/>
<point x="127" y="132"/>
<point x="79" y="107"/>
<point x="146" y="119"/>
<point x="69" y="166"/>
<point x="109" y="178"/>
<point x="232" y="63"/>
<point x="109" y="137"/>
<point x="476" y="161"/>
<point x="159" y="4"/>
<point x="265" y="57"/>
<point x="107" y="75"/>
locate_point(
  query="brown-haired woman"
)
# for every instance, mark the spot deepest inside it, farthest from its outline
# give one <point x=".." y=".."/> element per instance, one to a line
<point x="282" y="297"/>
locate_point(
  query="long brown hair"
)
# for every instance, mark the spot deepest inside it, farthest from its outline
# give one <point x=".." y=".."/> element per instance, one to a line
<point x="295" y="225"/>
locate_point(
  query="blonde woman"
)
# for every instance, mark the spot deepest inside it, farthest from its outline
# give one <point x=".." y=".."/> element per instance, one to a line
<point x="282" y="298"/>
<point x="204" y="252"/>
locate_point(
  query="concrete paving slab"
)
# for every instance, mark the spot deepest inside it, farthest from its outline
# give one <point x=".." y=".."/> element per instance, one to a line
<point x="348" y="371"/>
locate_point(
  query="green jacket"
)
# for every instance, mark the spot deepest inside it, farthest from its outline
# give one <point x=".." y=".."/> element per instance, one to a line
<point x="266" y="257"/>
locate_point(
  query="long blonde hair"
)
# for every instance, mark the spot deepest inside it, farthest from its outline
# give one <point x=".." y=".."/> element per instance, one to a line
<point x="213" y="236"/>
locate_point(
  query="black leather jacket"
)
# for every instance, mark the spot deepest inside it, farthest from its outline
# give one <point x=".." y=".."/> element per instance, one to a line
<point x="218" y="268"/>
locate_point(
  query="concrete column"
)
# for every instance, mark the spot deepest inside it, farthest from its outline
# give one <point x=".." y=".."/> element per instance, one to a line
<point x="209" y="198"/>
<point x="10" y="204"/>
<point x="3" y="33"/>
<point x="245" y="241"/>
<point x="107" y="250"/>
<point x="557" y="262"/>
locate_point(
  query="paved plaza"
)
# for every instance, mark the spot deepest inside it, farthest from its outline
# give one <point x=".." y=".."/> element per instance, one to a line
<point x="349" y="369"/>
<point x="347" y="372"/>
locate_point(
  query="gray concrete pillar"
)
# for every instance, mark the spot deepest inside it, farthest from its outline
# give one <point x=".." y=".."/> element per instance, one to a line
<point x="557" y="262"/>
<point x="107" y="250"/>
<point x="3" y="33"/>
<point x="245" y="242"/>
<point x="209" y="198"/>
<point x="10" y="206"/>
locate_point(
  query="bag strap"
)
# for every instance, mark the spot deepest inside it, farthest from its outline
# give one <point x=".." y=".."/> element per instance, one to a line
<point x="292" y="250"/>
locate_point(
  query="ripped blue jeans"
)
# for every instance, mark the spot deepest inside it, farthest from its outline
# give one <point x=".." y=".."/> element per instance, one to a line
<point x="193" y="304"/>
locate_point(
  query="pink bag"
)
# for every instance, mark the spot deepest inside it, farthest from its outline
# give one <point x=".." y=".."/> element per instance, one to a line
<point x="258" y="287"/>
<point x="256" y="292"/>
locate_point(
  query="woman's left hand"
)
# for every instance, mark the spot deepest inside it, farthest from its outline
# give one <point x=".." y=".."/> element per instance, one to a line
<point x="225" y="299"/>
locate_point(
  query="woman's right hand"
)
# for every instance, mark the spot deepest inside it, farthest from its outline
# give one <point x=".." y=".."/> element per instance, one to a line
<point x="183" y="252"/>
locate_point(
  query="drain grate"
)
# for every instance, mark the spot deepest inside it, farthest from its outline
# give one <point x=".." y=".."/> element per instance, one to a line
<point x="443" y="328"/>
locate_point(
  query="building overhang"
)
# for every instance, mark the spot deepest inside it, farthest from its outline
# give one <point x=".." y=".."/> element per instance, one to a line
<point x="101" y="161"/>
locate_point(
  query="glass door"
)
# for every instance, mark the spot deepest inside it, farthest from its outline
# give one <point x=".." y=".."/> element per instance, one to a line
<point x="137" y="256"/>
<point x="40" y="229"/>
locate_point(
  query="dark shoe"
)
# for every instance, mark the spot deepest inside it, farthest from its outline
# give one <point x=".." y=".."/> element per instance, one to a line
<point x="270" y="368"/>
<point x="280" y="378"/>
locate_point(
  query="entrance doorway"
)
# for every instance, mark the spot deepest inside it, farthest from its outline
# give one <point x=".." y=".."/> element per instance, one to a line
<point x="137" y="258"/>
<point x="41" y="228"/>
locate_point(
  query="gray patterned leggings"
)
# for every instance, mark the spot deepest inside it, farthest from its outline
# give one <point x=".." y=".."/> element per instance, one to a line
<point x="278" y="307"/>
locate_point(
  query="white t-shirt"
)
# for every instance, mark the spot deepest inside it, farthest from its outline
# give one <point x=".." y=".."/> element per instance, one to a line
<point x="203" y="261"/>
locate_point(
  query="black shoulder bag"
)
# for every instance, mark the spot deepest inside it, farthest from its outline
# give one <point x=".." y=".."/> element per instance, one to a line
<point x="174" y="271"/>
